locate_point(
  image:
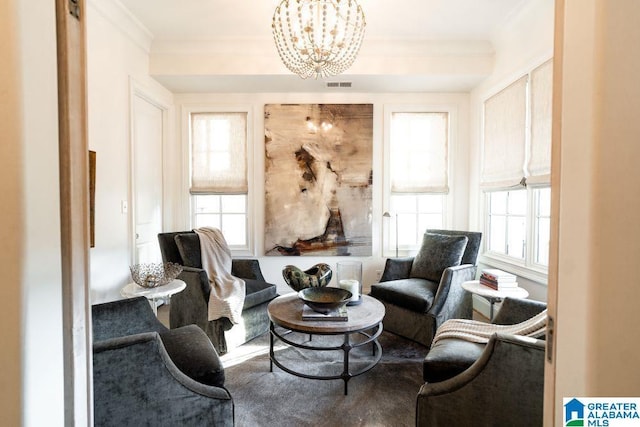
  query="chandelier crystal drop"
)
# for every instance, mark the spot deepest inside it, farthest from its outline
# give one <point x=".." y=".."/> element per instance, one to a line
<point x="318" y="38"/>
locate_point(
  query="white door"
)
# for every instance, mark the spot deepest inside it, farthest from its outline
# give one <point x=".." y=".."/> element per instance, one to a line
<point x="147" y="143"/>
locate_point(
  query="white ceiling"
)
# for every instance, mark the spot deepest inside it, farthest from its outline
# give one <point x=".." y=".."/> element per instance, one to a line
<point x="178" y="22"/>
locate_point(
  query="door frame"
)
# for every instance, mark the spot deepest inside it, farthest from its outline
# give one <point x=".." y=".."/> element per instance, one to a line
<point x="74" y="211"/>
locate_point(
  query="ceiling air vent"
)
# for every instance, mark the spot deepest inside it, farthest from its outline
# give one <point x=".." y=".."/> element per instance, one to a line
<point x="338" y="84"/>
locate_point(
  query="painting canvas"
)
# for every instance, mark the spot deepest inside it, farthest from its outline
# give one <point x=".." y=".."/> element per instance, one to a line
<point x="318" y="179"/>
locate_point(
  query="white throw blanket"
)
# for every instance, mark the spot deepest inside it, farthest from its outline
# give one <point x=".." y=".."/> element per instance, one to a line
<point x="227" y="291"/>
<point x="481" y="332"/>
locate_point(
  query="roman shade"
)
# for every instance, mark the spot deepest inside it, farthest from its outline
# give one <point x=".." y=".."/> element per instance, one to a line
<point x="219" y="153"/>
<point x="505" y="124"/>
<point x="419" y="160"/>
<point x="517" y="132"/>
<point x="539" y="163"/>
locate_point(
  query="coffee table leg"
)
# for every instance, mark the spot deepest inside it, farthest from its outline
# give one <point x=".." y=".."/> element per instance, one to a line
<point x="271" y="331"/>
<point x="346" y="348"/>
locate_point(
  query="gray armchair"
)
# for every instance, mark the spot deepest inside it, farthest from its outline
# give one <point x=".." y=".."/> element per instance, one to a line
<point x="146" y="374"/>
<point x="493" y="384"/>
<point x="420" y="293"/>
<point x="191" y="305"/>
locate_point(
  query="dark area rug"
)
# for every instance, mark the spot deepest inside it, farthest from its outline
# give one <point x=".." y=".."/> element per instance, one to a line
<point x="383" y="396"/>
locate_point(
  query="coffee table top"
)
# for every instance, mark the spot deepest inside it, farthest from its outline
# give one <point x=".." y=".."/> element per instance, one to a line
<point x="286" y="311"/>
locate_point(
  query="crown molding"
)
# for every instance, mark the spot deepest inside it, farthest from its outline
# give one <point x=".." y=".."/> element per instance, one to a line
<point x="121" y="18"/>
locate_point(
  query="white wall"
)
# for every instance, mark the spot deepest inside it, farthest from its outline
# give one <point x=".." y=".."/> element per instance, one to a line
<point x="117" y="52"/>
<point x="272" y="265"/>
<point x="42" y="389"/>
<point x="523" y="43"/>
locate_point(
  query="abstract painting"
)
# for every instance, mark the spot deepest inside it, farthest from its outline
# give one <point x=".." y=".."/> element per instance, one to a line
<point x="318" y="179"/>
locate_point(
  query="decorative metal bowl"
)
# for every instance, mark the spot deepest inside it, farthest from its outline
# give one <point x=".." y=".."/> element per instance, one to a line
<point x="317" y="276"/>
<point x="152" y="275"/>
<point x="323" y="299"/>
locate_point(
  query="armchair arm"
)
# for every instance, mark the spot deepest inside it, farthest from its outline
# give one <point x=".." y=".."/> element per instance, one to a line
<point x="247" y="269"/>
<point x="396" y="269"/>
<point x="503" y="387"/>
<point x="136" y="383"/>
<point x="190" y="306"/>
<point x="192" y="352"/>
<point x="515" y="310"/>
<point x="451" y="301"/>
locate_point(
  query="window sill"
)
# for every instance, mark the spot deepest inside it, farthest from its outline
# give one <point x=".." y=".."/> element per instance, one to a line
<point x="537" y="275"/>
<point x="242" y="252"/>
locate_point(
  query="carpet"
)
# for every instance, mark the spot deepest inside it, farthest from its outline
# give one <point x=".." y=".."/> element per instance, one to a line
<point x="383" y="396"/>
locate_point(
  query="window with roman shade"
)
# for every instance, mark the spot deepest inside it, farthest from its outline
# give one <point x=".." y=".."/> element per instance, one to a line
<point x="515" y="174"/>
<point x="219" y="193"/>
<point x="417" y="176"/>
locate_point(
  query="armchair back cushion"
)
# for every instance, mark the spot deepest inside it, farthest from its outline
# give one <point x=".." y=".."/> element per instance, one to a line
<point x="470" y="255"/>
<point x="189" y="249"/>
<point x="168" y="247"/>
<point x="438" y="251"/>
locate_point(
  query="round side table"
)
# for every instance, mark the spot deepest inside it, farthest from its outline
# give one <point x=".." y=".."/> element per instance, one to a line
<point x="132" y="290"/>
<point x="493" y="295"/>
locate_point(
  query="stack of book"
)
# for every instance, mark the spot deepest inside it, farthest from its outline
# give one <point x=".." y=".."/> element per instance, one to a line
<point x="498" y="279"/>
<point x="336" y="315"/>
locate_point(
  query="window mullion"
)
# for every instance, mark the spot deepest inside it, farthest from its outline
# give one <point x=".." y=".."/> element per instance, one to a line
<point x="530" y="224"/>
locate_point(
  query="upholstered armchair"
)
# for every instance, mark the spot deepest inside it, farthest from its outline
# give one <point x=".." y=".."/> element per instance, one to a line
<point x="420" y="293"/>
<point x="191" y="305"/>
<point x="493" y="384"/>
<point x="146" y="374"/>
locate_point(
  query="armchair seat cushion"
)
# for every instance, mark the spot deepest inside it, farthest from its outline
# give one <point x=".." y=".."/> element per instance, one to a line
<point x="414" y="294"/>
<point x="258" y="292"/>
<point x="448" y="358"/>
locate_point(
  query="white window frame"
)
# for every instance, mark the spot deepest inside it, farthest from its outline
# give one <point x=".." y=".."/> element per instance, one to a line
<point x="522" y="267"/>
<point x="221" y="212"/>
<point x="388" y="243"/>
<point x="188" y="199"/>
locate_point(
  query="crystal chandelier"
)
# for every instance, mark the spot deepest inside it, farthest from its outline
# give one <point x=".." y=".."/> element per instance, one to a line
<point x="318" y="37"/>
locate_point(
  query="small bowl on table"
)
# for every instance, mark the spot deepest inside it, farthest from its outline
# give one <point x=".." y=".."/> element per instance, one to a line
<point x="323" y="299"/>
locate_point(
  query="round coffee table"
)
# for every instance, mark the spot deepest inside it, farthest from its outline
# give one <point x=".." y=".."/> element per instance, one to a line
<point x="364" y="319"/>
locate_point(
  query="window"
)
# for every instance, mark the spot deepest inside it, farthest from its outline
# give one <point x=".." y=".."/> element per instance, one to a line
<point x="225" y="212"/>
<point x="542" y="225"/>
<point x="511" y="228"/>
<point x="516" y="174"/>
<point x="507" y="223"/>
<point x="415" y="213"/>
<point x="218" y="182"/>
<point x="418" y="175"/>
